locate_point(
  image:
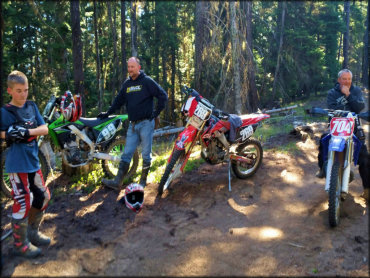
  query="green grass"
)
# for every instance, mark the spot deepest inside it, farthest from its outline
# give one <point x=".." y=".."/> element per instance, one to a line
<point x="268" y="129"/>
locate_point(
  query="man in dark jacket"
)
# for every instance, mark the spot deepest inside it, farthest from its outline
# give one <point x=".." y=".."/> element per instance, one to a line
<point x="137" y="93"/>
<point x="345" y="96"/>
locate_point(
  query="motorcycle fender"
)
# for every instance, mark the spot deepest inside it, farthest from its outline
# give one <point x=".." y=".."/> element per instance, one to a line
<point x="356" y="150"/>
<point x="186" y="137"/>
<point x="337" y="144"/>
<point x="109" y="131"/>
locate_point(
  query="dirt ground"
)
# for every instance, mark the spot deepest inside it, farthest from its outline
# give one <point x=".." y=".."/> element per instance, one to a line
<point x="274" y="223"/>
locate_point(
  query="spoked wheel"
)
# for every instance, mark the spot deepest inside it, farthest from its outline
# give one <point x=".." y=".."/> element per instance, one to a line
<point x="172" y="170"/>
<point x="6" y="186"/>
<point x="335" y="189"/>
<point x="115" y="148"/>
<point x="251" y="149"/>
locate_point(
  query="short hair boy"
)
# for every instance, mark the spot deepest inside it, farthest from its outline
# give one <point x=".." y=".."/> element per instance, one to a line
<point x="21" y="123"/>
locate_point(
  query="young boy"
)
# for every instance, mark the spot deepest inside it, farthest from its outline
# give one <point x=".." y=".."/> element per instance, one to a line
<point x="21" y="123"/>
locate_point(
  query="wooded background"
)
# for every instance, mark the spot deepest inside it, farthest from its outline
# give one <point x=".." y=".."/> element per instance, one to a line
<point x="240" y="55"/>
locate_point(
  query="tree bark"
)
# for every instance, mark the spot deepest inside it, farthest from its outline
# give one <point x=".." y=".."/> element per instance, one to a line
<point x="365" y="62"/>
<point x="235" y="58"/>
<point x="98" y="66"/>
<point x="252" y="94"/>
<point x="200" y="29"/>
<point x="112" y="24"/>
<point x="133" y="29"/>
<point x="123" y="40"/>
<point x="346" y="35"/>
<point x="78" y="75"/>
<point x="276" y="75"/>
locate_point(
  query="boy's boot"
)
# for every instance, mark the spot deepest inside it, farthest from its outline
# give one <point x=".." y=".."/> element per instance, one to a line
<point x="22" y="247"/>
<point x="118" y="180"/>
<point x="34" y="235"/>
<point x="144" y="174"/>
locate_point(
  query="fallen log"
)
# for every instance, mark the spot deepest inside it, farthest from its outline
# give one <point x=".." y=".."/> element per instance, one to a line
<point x="281" y="109"/>
<point x="162" y="132"/>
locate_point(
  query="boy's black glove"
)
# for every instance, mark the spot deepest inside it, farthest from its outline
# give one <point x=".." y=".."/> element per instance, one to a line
<point x="17" y="134"/>
<point x="103" y="115"/>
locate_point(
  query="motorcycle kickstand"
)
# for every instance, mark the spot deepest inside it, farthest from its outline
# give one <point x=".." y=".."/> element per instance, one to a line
<point x="229" y="175"/>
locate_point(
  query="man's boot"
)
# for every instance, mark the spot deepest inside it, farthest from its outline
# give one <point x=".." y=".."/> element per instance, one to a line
<point x="118" y="180"/>
<point x="144" y="174"/>
<point x="22" y="246"/>
<point x="320" y="174"/>
<point x="34" y="235"/>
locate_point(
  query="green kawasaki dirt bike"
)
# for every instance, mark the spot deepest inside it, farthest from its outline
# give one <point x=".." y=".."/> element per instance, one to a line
<point x="79" y="142"/>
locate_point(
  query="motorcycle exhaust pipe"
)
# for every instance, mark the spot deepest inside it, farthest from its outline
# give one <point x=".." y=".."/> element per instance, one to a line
<point x="241" y="159"/>
<point x="105" y="156"/>
<point x="83" y="136"/>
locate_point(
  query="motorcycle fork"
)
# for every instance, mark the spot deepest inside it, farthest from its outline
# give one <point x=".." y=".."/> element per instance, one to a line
<point x="347" y="165"/>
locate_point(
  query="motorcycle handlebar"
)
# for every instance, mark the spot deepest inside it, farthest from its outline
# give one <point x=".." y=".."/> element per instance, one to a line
<point x="333" y="112"/>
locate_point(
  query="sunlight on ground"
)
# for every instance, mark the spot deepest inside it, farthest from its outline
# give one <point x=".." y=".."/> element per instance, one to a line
<point x="87" y="197"/>
<point x="258" y="233"/>
<point x="290" y="177"/>
<point x="295" y="208"/>
<point x="266" y="263"/>
<point x="195" y="263"/>
<point x="241" y="209"/>
<point x="49" y="215"/>
<point x="361" y="201"/>
<point x="87" y="209"/>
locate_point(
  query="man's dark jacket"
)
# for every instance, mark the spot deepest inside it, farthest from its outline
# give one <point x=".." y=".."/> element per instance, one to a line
<point x="337" y="100"/>
<point x="138" y="96"/>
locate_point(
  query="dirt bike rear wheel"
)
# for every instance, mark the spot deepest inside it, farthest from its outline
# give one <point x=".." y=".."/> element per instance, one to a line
<point x="116" y="148"/>
<point x="335" y="188"/>
<point x="177" y="160"/>
<point x="251" y="149"/>
<point x="6" y="187"/>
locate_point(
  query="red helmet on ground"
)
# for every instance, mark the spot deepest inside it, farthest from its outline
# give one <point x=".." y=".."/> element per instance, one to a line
<point x="71" y="107"/>
<point x="134" y="197"/>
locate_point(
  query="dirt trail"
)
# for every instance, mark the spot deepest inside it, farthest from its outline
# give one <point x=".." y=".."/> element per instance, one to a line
<point x="275" y="223"/>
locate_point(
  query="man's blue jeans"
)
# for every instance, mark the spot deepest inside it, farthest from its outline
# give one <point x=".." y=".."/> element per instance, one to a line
<point x="141" y="133"/>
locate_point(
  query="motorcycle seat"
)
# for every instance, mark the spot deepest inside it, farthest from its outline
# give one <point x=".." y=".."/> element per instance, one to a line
<point x="91" y="122"/>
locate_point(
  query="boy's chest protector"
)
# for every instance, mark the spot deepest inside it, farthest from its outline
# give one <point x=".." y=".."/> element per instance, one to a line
<point x="25" y="116"/>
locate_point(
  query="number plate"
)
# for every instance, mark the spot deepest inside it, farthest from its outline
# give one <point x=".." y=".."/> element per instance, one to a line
<point x="342" y="126"/>
<point x="246" y="132"/>
<point x="202" y="111"/>
<point x="195" y="122"/>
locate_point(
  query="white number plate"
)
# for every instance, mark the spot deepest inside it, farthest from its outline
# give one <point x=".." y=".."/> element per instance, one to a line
<point x="246" y="132"/>
<point x="201" y="111"/>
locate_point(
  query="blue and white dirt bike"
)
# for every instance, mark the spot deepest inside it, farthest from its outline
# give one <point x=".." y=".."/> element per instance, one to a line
<point x="340" y="147"/>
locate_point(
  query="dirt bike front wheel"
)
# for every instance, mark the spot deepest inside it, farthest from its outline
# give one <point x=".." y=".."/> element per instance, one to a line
<point x="115" y="148"/>
<point x="335" y="188"/>
<point x="6" y="186"/>
<point x="251" y="149"/>
<point x="172" y="170"/>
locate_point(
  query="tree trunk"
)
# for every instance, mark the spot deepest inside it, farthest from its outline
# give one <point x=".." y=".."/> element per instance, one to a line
<point x="123" y="40"/>
<point x="78" y="75"/>
<point x="276" y="75"/>
<point x="340" y="46"/>
<point x="173" y="75"/>
<point x="235" y="58"/>
<point x="133" y="29"/>
<point x="200" y="29"/>
<point x="346" y="35"/>
<point x="98" y="67"/>
<point x="365" y="61"/>
<point x="252" y="94"/>
<point x="114" y="38"/>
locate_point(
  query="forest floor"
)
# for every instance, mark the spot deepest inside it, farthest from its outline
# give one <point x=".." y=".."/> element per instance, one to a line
<point x="274" y="223"/>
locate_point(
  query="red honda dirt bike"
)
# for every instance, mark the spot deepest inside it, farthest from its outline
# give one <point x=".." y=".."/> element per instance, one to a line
<point x="211" y="128"/>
